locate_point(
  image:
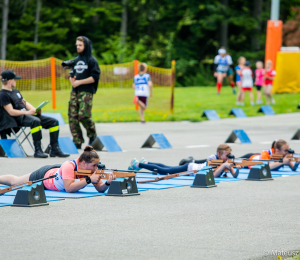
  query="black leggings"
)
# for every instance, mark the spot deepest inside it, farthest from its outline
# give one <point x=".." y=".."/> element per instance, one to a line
<point x="164" y="169"/>
<point x="248" y="155"/>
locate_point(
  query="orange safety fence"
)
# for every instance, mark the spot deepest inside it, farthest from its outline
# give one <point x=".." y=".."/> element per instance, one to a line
<point x="47" y="80"/>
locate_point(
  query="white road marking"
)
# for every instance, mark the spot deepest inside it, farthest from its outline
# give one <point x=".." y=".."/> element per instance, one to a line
<point x="266" y="142"/>
<point x="197" y="146"/>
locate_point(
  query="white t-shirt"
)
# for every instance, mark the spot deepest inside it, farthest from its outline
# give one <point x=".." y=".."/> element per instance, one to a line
<point x="223" y="62"/>
<point x="141" y="85"/>
<point x="198" y="167"/>
<point x="213" y="157"/>
<point x="247" y="78"/>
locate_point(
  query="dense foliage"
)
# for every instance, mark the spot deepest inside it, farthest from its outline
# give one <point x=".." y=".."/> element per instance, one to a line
<point x="188" y="31"/>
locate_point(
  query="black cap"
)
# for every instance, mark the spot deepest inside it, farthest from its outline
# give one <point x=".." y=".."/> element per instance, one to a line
<point x="247" y="63"/>
<point x="9" y="74"/>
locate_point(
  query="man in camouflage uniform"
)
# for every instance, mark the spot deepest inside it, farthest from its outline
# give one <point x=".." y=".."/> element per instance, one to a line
<point x="84" y="78"/>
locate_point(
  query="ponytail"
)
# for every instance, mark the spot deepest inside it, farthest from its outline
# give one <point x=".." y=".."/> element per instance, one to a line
<point x="277" y="144"/>
<point x="88" y="155"/>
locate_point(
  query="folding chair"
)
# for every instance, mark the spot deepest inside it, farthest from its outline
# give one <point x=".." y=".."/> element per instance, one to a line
<point x="18" y="134"/>
<point x="19" y="140"/>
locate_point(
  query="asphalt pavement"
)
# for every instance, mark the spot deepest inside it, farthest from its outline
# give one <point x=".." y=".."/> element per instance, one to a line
<point x="235" y="220"/>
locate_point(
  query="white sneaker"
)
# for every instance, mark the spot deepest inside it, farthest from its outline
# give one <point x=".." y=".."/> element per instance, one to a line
<point x="134" y="165"/>
<point x="242" y="104"/>
<point x="237" y="103"/>
<point x="252" y="103"/>
<point x="143" y="160"/>
<point x="259" y="102"/>
<point x="273" y="101"/>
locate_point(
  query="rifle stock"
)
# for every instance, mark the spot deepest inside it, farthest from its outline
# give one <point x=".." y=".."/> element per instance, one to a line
<point x="279" y="157"/>
<point x="104" y="173"/>
<point x="234" y="162"/>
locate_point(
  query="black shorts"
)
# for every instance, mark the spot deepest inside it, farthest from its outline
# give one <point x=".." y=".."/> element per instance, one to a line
<point x="144" y="100"/>
<point x="40" y="173"/>
<point x="258" y="88"/>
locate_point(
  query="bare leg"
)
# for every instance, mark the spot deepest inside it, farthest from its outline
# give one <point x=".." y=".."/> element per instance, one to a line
<point x="242" y="96"/>
<point x="142" y="109"/>
<point x="251" y="97"/>
<point x="258" y="95"/>
<point x="220" y="77"/>
<point x="267" y="95"/>
<point x="12" y="180"/>
<point x="238" y="97"/>
<point x="270" y="93"/>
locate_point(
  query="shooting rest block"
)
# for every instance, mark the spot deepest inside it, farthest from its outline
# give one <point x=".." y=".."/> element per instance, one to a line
<point x="123" y="187"/>
<point x="204" y="179"/>
<point x="31" y="196"/>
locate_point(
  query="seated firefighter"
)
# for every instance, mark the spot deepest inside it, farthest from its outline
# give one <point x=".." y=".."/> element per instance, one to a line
<point x="16" y="112"/>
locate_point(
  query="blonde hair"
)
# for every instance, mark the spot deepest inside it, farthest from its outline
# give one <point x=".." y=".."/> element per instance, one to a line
<point x="261" y="63"/>
<point x="239" y="59"/>
<point x="142" y="67"/>
<point x="223" y="147"/>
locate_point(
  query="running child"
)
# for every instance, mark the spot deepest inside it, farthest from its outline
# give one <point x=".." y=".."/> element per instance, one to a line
<point x="143" y="88"/>
<point x="222" y="63"/>
<point x="65" y="180"/>
<point x="259" y="80"/>
<point x="269" y="77"/>
<point x="222" y="152"/>
<point x="238" y="68"/>
<point x="247" y="83"/>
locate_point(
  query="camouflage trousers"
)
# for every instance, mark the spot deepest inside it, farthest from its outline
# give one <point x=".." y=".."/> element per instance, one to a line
<point x="80" y="111"/>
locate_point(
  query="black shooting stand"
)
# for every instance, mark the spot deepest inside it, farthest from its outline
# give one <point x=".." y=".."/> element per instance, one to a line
<point x="123" y="187"/>
<point x="31" y="197"/>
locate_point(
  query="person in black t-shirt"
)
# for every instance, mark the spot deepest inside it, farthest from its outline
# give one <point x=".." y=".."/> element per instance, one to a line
<point x="14" y="107"/>
<point x="84" y="78"/>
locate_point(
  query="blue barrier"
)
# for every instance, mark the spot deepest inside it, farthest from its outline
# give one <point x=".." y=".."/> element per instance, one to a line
<point x="56" y="116"/>
<point x="238" y="134"/>
<point x="296" y="136"/>
<point x="107" y="141"/>
<point x="10" y="148"/>
<point x="211" y="114"/>
<point x="267" y="110"/>
<point x="238" y="112"/>
<point x="160" y="139"/>
<point x="66" y="145"/>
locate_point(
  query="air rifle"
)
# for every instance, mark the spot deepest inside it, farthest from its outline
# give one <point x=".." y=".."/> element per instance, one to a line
<point x="19" y="186"/>
<point x="104" y="174"/>
<point x="235" y="162"/>
<point x="170" y="176"/>
<point x="292" y="155"/>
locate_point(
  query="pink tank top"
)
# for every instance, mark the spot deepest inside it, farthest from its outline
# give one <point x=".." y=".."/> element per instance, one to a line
<point x="259" y="77"/>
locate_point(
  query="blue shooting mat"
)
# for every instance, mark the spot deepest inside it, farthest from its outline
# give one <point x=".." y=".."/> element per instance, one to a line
<point x="9" y="200"/>
<point x="173" y="181"/>
<point x="143" y="176"/>
<point x="285" y="171"/>
<point x="151" y="186"/>
<point x="83" y="193"/>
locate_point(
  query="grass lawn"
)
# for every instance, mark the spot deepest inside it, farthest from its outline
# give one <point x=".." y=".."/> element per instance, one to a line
<point x="115" y="104"/>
